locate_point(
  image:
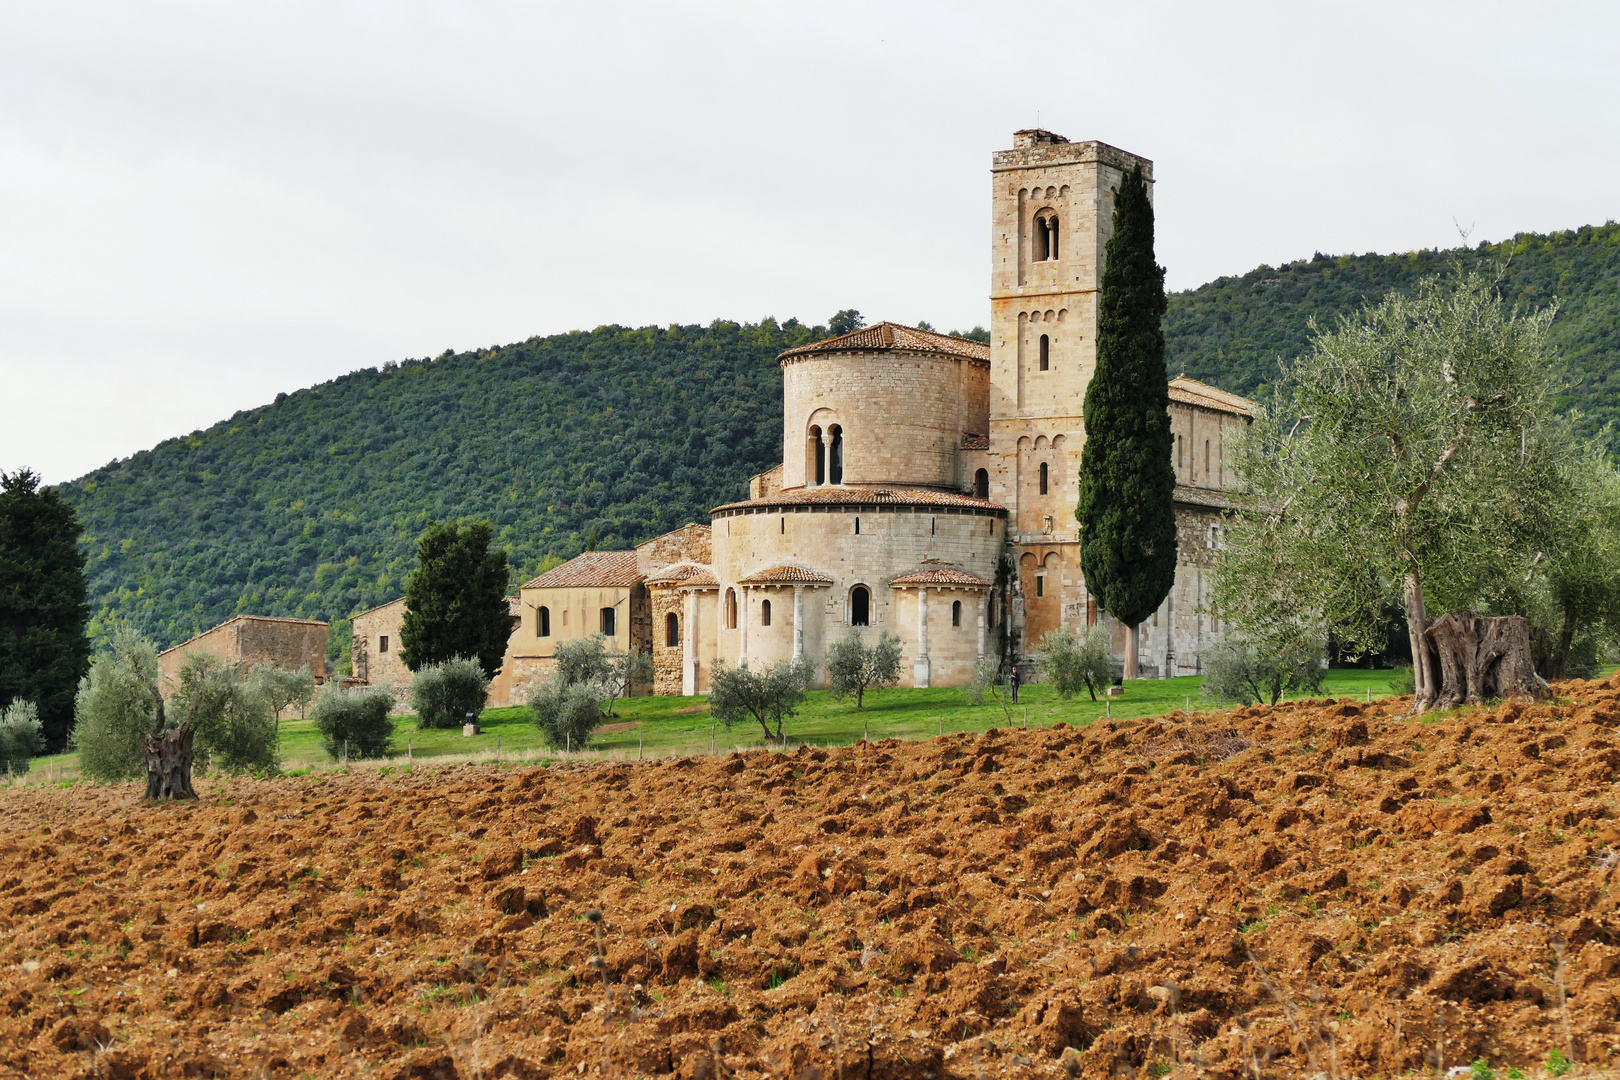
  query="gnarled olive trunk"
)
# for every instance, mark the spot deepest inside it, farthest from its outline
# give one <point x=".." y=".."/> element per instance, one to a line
<point x="1482" y="657"/>
<point x="1423" y="675"/>
<point x="168" y="764"/>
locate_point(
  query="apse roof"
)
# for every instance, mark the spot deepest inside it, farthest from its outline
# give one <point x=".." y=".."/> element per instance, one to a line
<point x="888" y="336"/>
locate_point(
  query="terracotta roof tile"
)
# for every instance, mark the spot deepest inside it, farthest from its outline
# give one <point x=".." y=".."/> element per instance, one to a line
<point x="940" y="577"/>
<point x="838" y="495"/>
<point x="1210" y="497"/>
<point x="593" y="569"/>
<point x="243" y="618"/>
<point x="887" y="336"/>
<point x="975" y="442"/>
<point x="683" y="573"/>
<point x="514" y="606"/>
<point x="1192" y="392"/>
<point x="786" y="575"/>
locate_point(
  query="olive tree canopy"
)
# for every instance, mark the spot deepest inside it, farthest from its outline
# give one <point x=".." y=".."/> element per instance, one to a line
<point x="1411" y="457"/>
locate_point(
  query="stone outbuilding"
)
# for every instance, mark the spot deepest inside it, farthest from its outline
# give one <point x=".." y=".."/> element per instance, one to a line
<point x="251" y="640"/>
<point x="374" y="646"/>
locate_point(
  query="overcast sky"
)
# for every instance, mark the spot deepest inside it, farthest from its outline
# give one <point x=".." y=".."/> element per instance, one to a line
<point x="204" y="204"/>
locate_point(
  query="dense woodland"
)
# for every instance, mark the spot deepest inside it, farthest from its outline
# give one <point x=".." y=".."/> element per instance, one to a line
<point x="310" y="506"/>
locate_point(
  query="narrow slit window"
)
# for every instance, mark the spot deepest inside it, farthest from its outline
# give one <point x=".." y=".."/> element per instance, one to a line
<point x="835" y="456"/>
<point x="1206" y="459"/>
<point x="1040" y="584"/>
<point x="731" y="609"/>
<point x="956" y="613"/>
<point x="857" y="526"/>
<point x="764" y="613"/>
<point x="784" y="526"/>
<point x="1046" y="352"/>
<point x="672" y="630"/>
<point x="542" y="622"/>
<point x="1043" y="477"/>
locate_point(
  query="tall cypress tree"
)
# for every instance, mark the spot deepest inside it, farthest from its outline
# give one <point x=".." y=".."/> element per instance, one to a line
<point x="1127" y="485"/>
<point x="43" y="647"/>
<point x="455" y="599"/>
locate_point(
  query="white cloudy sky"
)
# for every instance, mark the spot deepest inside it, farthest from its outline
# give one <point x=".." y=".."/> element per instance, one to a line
<point x="204" y="203"/>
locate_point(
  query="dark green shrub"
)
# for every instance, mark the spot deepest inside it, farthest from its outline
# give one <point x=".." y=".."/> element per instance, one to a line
<point x="21" y="737"/>
<point x="355" y="722"/>
<point x="567" y="713"/>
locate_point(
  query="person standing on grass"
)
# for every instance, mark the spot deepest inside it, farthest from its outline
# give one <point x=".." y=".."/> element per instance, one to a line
<point x="1015" y="684"/>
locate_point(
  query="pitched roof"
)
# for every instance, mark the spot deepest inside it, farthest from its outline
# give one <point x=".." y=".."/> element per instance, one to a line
<point x="887" y="336"/>
<point x="941" y="577"/>
<point x="1192" y="392"/>
<point x="786" y="575"/>
<point x="379" y="607"/>
<point x="514" y="606"/>
<point x="683" y="573"/>
<point x="593" y="569"/>
<point x="243" y="618"/>
<point x="838" y="495"/>
<point x="971" y="441"/>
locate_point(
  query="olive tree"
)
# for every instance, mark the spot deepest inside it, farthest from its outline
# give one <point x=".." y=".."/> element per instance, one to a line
<point x="1581" y="578"/>
<point x="1070" y="662"/>
<point x="589" y="660"/>
<point x="21" y="737"/>
<point x="854" y="667"/>
<point x="1244" y="670"/>
<point x="444" y="694"/>
<point x="1410" y="457"/>
<point x="769" y="697"/>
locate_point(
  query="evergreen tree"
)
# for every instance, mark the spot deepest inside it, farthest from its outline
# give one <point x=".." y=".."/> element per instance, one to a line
<point x="1127" y="484"/>
<point x="43" y="648"/>
<point x="455" y="599"/>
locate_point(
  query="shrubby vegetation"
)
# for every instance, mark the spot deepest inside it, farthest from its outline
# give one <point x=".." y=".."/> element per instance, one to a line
<point x="1073" y="663"/>
<point x="443" y="694"/>
<point x="235" y="722"/>
<point x="21" y="737"/>
<point x="769" y="697"/>
<point x="854" y="667"/>
<point x="355" y="722"/>
<point x="282" y="688"/>
<point x="1237" y="669"/>
<point x="580" y="693"/>
<point x="116" y="708"/>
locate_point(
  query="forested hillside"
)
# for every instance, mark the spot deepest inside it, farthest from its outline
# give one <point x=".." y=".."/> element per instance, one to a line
<point x="310" y="506"/>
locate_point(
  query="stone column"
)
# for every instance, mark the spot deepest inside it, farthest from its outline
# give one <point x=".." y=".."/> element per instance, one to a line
<point x="984" y="607"/>
<point x="689" y="640"/>
<point x="798" y="623"/>
<point x="919" y="670"/>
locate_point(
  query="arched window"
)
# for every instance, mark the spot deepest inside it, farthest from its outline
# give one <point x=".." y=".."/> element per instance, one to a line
<point x="1042" y="240"/>
<point x="818" y="455"/>
<point x="764" y="613"/>
<point x="608" y="621"/>
<point x="835" y="456"/>
<point x="542" y="622"/>
<point x="731" y="609"/>
<point x="860" y="606"/>
<point x="1043" y="477"/>
<point x="1046" y="352"/>
<point x="981" y="483"/>
<point x="956" y="613"/>
<point x="672" y="630"/>
<point x="1052" y="237"/>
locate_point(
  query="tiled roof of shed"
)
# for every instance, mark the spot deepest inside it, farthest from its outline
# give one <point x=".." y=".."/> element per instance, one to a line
<point x="941" y="577"/>
<point x="885" y="336"/>
<point x="975" y="442"/>
<point x="243" y="618"/>
<point x="1200" y="496"/>
<point x="1192" y="392"/>
<point x="838" y="495"/>
<point x="592" y="570"/>
<point x="786" y="575"/>
<point x="683" y="573"/>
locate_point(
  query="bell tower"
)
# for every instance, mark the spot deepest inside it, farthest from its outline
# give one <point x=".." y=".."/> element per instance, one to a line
<point x="1052" y="208"/>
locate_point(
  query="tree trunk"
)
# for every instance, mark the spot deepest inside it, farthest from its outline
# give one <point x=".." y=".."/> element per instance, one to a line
<point x="168" y="764"/>
<point x="1483" y="657"/>
<point x="1566" y="637"/>
<point x="1132" y="644"/>
<point x="1423" y="673"/>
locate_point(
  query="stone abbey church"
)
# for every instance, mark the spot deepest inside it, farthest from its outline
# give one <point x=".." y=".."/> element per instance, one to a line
<point x="927" y="484"/>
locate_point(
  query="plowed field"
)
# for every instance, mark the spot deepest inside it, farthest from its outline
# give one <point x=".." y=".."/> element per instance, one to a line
<point x="1319" y="888"/>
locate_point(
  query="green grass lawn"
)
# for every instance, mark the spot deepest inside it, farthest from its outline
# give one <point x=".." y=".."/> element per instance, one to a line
<point x="660" y="726"/>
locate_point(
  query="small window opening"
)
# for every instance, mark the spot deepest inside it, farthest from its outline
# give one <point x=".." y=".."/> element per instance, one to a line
<point x="784" y="526"/>
<point x="565" y="616"/>
<point x="835" y="456"/>
<point x="956" y="613"/>
<point x="933" y="526"/>
<point x="992" y="526"/>
<point x="857" y="526"/>
<point x="1040" y="584"/>
<point x="1179" y="442"/>
<point x="608" y="621"/>
<point x="382" y="643"/>
<point x="1206" y="459"/>
<point x="981" y="484"/>
<point x="764" y="613"/>
<point x="542" y="622"/>
<point x="672" y="630"/>
<point x="1214" y="623"/>
<point x="731" y="609"/>
<point x="819" y="450"/>
<point x="1052" y="236"/>
<point x="1043" y="477"/>
<point x="1046" y="352"/>
<point x="860" y="606"/>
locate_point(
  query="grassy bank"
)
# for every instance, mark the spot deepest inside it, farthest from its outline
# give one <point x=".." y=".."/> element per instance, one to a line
<point x="661" y="726"/>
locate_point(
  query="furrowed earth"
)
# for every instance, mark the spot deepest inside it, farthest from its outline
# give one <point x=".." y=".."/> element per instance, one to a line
<point x="1321" y="888"/>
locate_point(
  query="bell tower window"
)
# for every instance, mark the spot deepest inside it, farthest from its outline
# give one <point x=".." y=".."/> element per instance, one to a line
<point x="835" y="456"/>
<point x="1046" y="237"/>
<point x="818" y="456"/>
<point x="1046" y="352"/>
<point x="1043" y="477"/>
